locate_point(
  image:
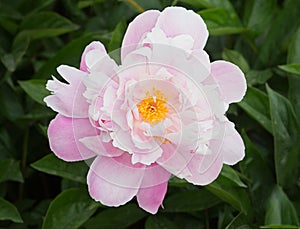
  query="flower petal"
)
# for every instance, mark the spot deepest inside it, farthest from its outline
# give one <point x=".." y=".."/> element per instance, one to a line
<point x="233" y="149"/>
<point x="67" y="99"/>
<point x="151" y="198"/>
<point x="230" y="79"/>
<point x="174" y="160"/>
<point x="64" y="134"/>
<point x="114" y="181"/>
<point x="99" y="147"/>
<point x="176" y="21"/>
<point x="95" y="45"/>
<point x="153" y="188"/>
<point x="136" y="31"/>
<point x="207" y="176"/>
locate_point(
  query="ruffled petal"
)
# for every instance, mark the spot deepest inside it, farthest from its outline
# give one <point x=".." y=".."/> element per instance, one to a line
<point x="114" y="181"/>
<point x="95" y="45"/>
<point x="64" y="134"/>
<point x="230" y="79"/>
<point x="67" y="99"/>
<point x="176" y="21"/>
<point x="136" y="31"/>
<point x="194" y="67"/>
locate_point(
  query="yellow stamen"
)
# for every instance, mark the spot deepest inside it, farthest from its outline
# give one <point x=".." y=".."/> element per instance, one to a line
<point x="153" y="108"/>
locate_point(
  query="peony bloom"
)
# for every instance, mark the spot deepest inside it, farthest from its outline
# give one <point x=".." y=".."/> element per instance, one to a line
<point x="160" y="113"/>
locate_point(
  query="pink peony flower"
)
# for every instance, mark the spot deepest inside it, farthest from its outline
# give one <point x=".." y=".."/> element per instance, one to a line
<point x="161" y="112"/>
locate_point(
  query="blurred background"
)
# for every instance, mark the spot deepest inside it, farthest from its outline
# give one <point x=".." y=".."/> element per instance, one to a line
<point x="37" y="190"/>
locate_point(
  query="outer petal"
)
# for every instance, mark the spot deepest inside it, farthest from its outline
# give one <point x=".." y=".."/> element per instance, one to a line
<point x="207" y="176"/>
<point x="136" y="30"/>
<point x="175" y="160"/>
<point x="64" y="134"/>
<point x="230" y="79"/>
<point x="114" y="181"/>
<point x="95" y="45"/>
<point x="153" y="188"/>
<point x="233" y="149"/>
<point x="175" y="21"/>
<point x="99" y="147"/>
<point x="67" y="99"/>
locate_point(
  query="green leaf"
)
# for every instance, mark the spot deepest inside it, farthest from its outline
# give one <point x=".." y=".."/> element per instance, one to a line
<point x="9" y="62"/>
<point x="287" y="20"/>
<point x="199" y="3"/>
<point x="291" y="68"/>
<point x="235" y="196"/>
<point x="158" y="222"/>
<point x="258" y="168"/>
<point x="19" y="48"/>
<point x="294" y="48"/>
<point x="187" y="201"/>
<point x="220" y="21"/>
<point x="236" y="58"/>
<point x="294" y="81"/>
<point x="70" y="54"/>
<point x="285" y="127"/>
<point x="259" y="14"/>
<point x="279" y="209"/>
<point x="44" y="24"/>
<point x="254" y="77"/>
<point x="178" y="182"/>
<point x="36" y="89"/>
<point x="231" y="175"/>
<point x="280" y="226"/>
<point x="70" y="209"/>
<point x="121" y="217"/>
<point x="50" y="164"/>
<point x="239" y="222"/>
<point x="9" y="212"/>
<point x="10" y="103"/>
<point x="10" y="170"/>
<point x="9" y="25"/>
<point x="117" y="36"/>
<point x="256" y="104"/>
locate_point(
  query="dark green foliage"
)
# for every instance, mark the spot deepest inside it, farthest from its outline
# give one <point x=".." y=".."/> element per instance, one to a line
<point x="37" y="190"/>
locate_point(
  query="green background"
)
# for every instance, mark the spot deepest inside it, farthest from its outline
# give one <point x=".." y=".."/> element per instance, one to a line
<point x="37" y="190"/>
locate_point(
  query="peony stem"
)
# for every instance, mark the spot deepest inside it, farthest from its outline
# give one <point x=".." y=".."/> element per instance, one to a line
<point x="135" y="5"/>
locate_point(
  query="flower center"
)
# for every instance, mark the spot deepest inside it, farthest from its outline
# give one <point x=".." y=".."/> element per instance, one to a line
<point x="153" y="108"/>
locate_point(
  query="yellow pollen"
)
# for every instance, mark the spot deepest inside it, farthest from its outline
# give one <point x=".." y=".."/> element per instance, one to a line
<point x="153" y="109"/>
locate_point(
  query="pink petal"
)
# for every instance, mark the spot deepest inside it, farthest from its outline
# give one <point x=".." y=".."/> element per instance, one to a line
<point x="92" y="46"/>
<point x="99" y="147"/>
<point x="206" y="176"/>
<point x="151" y="198"/>
<point x="230" y="79"/>
<point x="136" y="31"/>
<point x="99" y="61"/>
<point x="194" y="67"/>
<point x="67" y="99"/>
<point x="64" y="134"/>
<point x="175" y="21"/>
<point x="153" y="188"/>
<point x="175" y="160"/>
<point x="114" y="181"/>
<point x="233" y="149"/>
